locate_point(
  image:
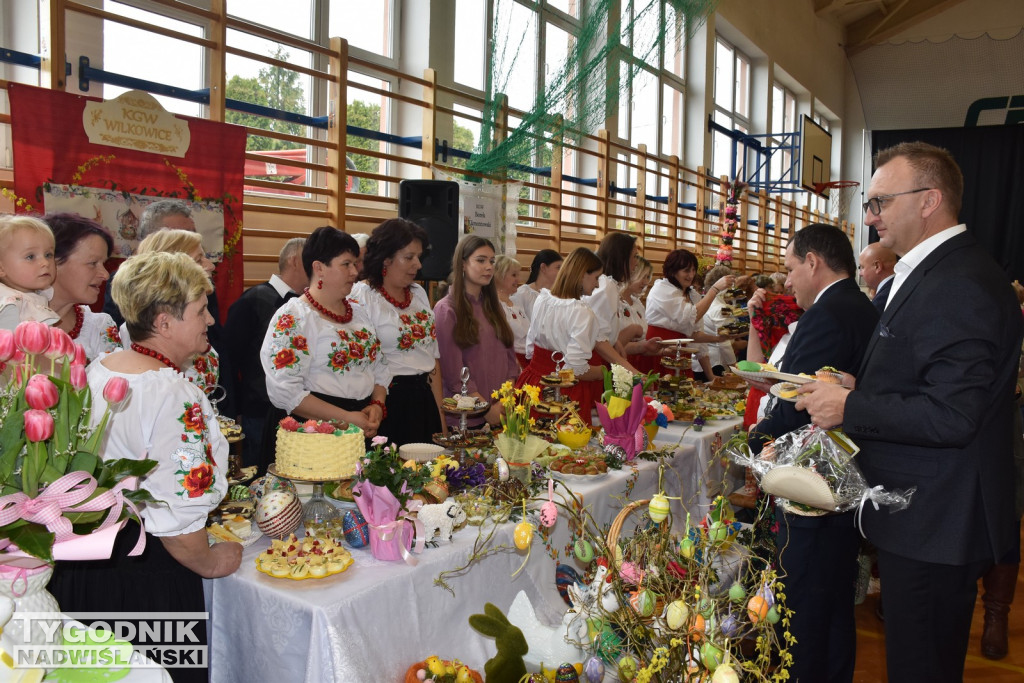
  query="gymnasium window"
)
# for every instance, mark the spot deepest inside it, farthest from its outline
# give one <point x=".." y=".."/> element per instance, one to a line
<point x="732" y="107"/>
<point x="784" y="120"/>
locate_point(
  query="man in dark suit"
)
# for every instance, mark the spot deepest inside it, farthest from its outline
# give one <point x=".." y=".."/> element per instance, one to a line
<point x="248" y="319"/>
<point x="875" y="265"/>
<point x="932" y="409"/>
<point x="818" y="555"/>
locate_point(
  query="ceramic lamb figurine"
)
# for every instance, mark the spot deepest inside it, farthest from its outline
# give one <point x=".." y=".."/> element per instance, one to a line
<point x="443" y="517"/>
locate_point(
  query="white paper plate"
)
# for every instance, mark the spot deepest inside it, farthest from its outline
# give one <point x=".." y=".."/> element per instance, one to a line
<point x="673" y="342"/>
<point x="771" y="375"/>
<point x="420" y="452"/>
<point x="799" y="485"/>
<point x="776" y="391"/>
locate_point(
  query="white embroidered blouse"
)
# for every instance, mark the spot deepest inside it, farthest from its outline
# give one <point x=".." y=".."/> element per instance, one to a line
<point x="565" y="325"/>
<point x="407" y="336"/>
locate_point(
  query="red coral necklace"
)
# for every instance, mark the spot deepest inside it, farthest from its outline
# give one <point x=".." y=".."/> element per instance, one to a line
<point x="401" y="305"/>
<point x="347" y="317"/>
<point x="139" y="348"/>
<point x="79" y="319"/>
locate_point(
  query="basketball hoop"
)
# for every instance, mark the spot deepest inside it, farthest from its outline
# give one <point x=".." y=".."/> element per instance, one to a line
<point x="840" y="194"/>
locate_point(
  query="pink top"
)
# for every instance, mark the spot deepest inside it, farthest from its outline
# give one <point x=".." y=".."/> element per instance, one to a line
<point x="490" y="362"/>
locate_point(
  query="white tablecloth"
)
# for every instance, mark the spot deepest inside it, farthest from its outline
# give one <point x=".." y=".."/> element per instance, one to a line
<point x="374" y="620"/>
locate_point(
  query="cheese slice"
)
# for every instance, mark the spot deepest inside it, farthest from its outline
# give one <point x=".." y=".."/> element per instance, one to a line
<point x="222" y="534"/>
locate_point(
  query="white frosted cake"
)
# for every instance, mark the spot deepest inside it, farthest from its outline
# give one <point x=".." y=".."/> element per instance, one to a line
<point x="318" y="450"/>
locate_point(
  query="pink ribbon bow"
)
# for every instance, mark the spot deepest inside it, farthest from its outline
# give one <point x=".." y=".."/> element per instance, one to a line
<point x="388" y="530"/>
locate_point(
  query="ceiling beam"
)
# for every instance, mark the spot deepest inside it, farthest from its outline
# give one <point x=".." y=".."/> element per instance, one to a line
<point x="881" y="25"/>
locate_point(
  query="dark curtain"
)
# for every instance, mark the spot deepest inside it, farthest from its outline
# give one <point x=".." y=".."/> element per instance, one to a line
<point x="992" y="161"/>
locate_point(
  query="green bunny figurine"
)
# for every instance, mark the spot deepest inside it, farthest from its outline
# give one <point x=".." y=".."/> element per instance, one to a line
<point x="507" y="666"/>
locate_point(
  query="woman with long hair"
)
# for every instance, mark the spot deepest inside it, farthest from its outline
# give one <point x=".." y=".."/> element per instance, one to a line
<point x="321" y="355"/>
<point x="675" y="307"/>
<point x="506" y="279"/>
<point x="81" y="247"/>
<point x="631" y="312"/>
<point x="399" y="311"/>
<point x="471" y="328"/>
<point x="563" y="324"/>
<point x="542" y="275"/>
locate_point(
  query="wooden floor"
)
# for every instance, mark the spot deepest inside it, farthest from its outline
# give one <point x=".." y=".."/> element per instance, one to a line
<point x="871" y="645"/>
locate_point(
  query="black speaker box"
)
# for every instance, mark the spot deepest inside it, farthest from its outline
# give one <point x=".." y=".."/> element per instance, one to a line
<point x="434" y="206"/>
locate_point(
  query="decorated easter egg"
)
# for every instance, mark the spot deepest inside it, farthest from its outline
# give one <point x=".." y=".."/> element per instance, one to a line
<point x="698" y="627"/>
<point x="565" y="576"/>
<point x="501" y="468"/>
<point x="643" y="602"/>
<point x="627" y="668"/>
<point x="593" y="669"/>
<point x="658" y="508"/>
<point x="548" y="514"/>
<point x="523" y="535"/>
<point x="730" y="626"/>
<point x="567" y="674"/>
<point x="736" y="593"/>
<point x="686" y="548"/>
<point x="278" y="514"/>
<point x="711" y="655"/>
<point x="676" y="614"/>
<point x="725" y="674"/>
<point x="706" y="607"/>
<point x="584" y="550"/>
<point x="268" y="484"/>
<point x="757" y="609"/>
<point x="718" y="532"/>
<point x="773" y="615"/>
<point x="355" y="528"/>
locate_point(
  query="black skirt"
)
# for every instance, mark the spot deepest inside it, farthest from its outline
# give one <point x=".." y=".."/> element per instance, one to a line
<point x="412" y="411"/>
<point x="152" y="582"/>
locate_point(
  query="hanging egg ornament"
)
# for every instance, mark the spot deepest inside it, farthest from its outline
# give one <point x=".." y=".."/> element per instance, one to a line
<point x="677" y="614"/>
<point x="736" y="593"/>
<point x="757" y="609"/>
<point x="628" y="667"/>
<point x="355" y="529"/>
<point x="501" y="468"/>
<point x="643" y="602"/>
<point x="730" y="626"/>
<point x="549" y="511"/>
<point x="718" y="532"/>
<point x="773" y="615"/>
<point x="686" y="548"/>
<point x="584" y="550"/>
<point x="725" y="674"/>
<point x="523" y="535"/>
<point x="593" y="669"/>
<point x="658" y="508"/>
<point x="711" y="655"/>
<point x="567" y="674"/>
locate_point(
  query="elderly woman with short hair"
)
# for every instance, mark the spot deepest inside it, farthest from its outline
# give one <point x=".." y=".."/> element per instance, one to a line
<point x="167" y="419"/>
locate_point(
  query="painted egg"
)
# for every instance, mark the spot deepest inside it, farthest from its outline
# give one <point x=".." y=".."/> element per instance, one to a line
<point x="698" y="627"/>
<point x="725" y="674"/>
<point x="501" y="468"/>
<point x="567" y="674"/>
<point x="548" y="514"/>
<point x="718" y="532"/>
<point x="730" y="626"/>
<point x="523" y="535"/>
<point x="736" y="593"/>
<point x="711" y="655"/>
<point x="677" y="614"/>
<point x="355" y="528"/>
<point x="658" y="508"/>
<point x="584" y="550"/>
<point x="268" y="484"/>
<point x="593" y="670"/>
<point x="627" y="668"/>
<point x="773" y="615"/>
<point x="607" y="643"/>
<point x="278" y="514"/>
<point x="686" y="548"/>
<point x="643" y="602"/>
<point x="706" y="607"/>
<point x="565" y="576"/>
<point x="757" y="609"/>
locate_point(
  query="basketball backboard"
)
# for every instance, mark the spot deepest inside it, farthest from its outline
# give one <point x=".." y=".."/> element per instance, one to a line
<point x="815" y="157"/>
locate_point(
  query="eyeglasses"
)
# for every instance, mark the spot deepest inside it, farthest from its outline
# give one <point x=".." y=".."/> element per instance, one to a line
<point x="874" y="205"/>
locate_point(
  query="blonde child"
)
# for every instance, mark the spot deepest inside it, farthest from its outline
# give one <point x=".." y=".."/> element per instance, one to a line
<point x="27" y="271"/>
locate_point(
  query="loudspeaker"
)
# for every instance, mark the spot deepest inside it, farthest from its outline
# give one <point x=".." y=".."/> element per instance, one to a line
<point x="434" y="206"/>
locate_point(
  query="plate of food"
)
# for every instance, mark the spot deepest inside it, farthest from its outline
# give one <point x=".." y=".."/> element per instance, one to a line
<point x="300" y="559"/>
<point x="674" y="342"/>
<point x="578" y="467"/>
<point x="563" y="378"/>
<point x="786" y="391"/>
<point x="767" y="371"/>
<point x="464" y="404"/>
<point x="234" y="529"/>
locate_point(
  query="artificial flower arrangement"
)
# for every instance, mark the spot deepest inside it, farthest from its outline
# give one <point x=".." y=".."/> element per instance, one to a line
<point x="58" y="498"/>
<point x="516" y="444"/>
<point x="622" y="409"/>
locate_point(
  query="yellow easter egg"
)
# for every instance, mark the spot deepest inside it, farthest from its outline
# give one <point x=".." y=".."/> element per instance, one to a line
<point x="658" y="508"/>
<point x="677" y="614"/>
<point x="523" y="535"/>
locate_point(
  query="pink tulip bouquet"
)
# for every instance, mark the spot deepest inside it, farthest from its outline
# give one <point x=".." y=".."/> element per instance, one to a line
<point x="58" y="498"/>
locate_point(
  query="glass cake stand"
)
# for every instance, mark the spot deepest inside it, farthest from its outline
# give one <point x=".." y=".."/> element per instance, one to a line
<point x="316" y="510"/>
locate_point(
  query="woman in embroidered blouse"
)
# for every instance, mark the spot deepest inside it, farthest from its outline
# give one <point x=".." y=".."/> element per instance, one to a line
<point x="203" y="369"/>
<point x="631" y="311"/>
<point x="471" y="328"/>
<point x="542" y="275"/>
<point x="675" y="308"/>
<point x="563" y="324"/>
<point x="167" y="419"/>
<point x="322" y="357"/>
<point x="399" y="312"/>
<point x="81" y="248"/>
<point x="506" y="279"/>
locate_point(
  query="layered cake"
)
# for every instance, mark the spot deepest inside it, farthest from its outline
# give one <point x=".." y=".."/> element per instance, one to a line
<point x="318" y="450"/>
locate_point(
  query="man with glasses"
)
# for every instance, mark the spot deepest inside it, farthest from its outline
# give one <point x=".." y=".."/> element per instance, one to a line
<point x="932" y="409"/>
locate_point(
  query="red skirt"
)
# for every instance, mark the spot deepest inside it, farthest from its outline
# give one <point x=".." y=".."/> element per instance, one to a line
<point x="653" y="363"/>
<point x="584" y="393"/>
<point x="522" y="360"/>
<point x="753" y="401"/>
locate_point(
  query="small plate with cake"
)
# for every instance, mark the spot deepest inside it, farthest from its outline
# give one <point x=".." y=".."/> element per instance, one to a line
<point x="786" y="391"/>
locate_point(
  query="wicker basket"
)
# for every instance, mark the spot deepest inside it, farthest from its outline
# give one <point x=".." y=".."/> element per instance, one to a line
<point x="410" y="674"/>
<point x="613" y="538"/>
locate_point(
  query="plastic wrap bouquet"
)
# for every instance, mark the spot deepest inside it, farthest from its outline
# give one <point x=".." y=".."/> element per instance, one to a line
<point x="622" y="410"/>
<point x="813" y="471"/>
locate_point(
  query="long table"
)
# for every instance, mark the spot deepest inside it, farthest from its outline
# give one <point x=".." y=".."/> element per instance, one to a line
<point x="377" y="618"/>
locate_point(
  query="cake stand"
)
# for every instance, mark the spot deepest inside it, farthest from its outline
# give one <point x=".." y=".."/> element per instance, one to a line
<point x="316" y="510"/>
<point x="464" y="415"/>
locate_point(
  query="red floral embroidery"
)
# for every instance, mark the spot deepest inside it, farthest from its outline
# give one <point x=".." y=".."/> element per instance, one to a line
<point x="422" y="316"/>
<point x="405" y="318"/>
<point x="299" y="343"/>
<point x="199" y="480"/>
<point x="405" y="342"/>
<point x="362" y="334"/>
<point x="339" y="360"/>
<point x="355" y="351"/>
<point x="200" y="364"/>
<point x="193" y="418"/>
<point x="285" y="358"/>
<point x="113" y="334"/>
<point x="418" y="332"/>
<point x="285" y="322"/>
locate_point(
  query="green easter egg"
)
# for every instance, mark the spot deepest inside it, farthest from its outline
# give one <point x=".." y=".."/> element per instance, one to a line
<point x="584" y="550"/>
<point x="736" y="593"/>
<point x="773" y="615"/>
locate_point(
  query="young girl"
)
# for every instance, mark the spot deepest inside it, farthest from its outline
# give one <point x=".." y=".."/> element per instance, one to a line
<point x="506" y="279"/>
<point x="542" y="276"/>
<point x="563" y="324"/>
<point x="27" y="271"/>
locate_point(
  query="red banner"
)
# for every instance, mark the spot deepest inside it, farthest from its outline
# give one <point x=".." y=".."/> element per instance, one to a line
<point x="50" y="146"/>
